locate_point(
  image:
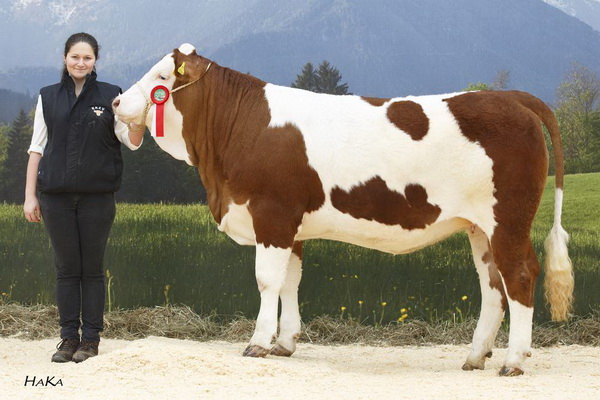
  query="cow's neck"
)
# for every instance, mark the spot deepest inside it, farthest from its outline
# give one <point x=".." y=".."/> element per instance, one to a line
<point x="230" y="111"/>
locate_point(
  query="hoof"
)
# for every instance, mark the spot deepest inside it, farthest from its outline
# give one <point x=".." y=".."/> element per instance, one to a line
<point x="489" y="355"/>
<point x="255" y="351"/>
<point x="471" y="367"/>
<point x="279" y="350"/>
<point x="513" y="371"/>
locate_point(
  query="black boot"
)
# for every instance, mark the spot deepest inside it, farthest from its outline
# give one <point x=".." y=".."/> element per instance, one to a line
<point x="66" y="349"/>
<point x="85" y="351"/>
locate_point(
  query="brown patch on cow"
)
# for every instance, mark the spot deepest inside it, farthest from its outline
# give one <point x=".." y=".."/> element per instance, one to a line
<point x="297" y="249"/>
<point x="507" y="126"/>
<point x="375" y="101"/>
<point x="375" y="201"/>
<point x="239" y="157"/>
<point x="280" y="184"/>
<point x="487" y="257"/>
<point x="409" y="117"/>
<point x="496" y="282"/>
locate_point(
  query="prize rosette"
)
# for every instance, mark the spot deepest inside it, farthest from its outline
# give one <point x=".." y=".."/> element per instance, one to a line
<point x="159" y="96"/>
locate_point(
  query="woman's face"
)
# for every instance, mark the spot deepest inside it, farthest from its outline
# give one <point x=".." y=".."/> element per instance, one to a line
<point x="80" y="60"/>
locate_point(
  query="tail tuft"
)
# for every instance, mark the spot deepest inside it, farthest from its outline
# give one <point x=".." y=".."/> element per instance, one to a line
<point x="559" y="281"/>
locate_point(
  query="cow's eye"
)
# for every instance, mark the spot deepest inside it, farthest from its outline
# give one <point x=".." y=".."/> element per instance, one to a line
<point x="163" y="77"/>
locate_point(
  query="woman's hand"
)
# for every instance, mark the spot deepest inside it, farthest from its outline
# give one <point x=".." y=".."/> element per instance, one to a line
<point x="136" y="133"/>
<point x="31" y="208"/>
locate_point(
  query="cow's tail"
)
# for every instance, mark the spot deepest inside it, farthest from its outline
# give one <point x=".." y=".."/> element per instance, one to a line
<point x="559" y="281"/>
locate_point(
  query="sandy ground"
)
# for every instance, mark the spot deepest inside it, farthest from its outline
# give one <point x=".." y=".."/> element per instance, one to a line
<point x="161" y="368"/>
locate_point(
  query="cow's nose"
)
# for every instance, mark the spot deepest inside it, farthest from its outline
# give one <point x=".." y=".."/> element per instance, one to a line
<point x="116" y="103"/>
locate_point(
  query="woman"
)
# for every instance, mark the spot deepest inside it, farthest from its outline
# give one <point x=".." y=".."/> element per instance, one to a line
<point x="75" y="164"/>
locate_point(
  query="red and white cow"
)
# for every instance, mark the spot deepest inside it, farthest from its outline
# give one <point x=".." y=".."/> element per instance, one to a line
<point x="283" y="165"/>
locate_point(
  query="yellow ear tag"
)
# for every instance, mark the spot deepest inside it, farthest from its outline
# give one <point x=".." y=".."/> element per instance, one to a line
<point x="181" y="69"/>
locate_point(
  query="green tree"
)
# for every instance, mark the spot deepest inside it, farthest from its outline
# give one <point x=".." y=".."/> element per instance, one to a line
<point x="501" y="82"/>
<point x="15" y="163"/>
<point x="3" y="149"/>
<point x="307" y="79"/>
<point x="328" y="80"/>
<point x="578" y="98"/>
<point x="594" y="122"/>
<point x="477" y="86"/>
<point x="325" y="79"/>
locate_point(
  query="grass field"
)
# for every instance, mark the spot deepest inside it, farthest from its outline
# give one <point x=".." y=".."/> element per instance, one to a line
<point x="167" y="254"/>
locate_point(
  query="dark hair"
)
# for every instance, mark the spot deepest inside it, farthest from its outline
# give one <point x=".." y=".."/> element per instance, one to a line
<point x="81" y="37"/>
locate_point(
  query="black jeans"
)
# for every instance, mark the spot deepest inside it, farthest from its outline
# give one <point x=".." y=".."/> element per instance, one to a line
<point x="78" y="225"/>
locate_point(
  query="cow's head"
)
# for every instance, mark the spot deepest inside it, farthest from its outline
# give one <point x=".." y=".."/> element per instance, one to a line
<point x="174" y="71"/>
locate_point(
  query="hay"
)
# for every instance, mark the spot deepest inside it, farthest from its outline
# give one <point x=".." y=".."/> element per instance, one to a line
<point x="32" y="322"/>
<point x="181" y="322"/>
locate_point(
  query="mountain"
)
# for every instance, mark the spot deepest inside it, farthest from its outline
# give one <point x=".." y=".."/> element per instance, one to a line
<point x="382" y="47"/>
<point x="587" y="11"/>
<point x="12" y="103"/>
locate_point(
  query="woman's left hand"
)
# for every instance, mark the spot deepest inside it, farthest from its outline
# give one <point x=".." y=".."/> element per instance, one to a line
<point x="31" y="208"/>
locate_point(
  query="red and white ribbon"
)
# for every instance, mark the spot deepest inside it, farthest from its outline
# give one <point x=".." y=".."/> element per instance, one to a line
<point x="159" y="96"/>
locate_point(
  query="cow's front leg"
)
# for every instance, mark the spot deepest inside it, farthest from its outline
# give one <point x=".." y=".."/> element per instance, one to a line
<point x="271" y="269"/>
<point x="290" y="324"/>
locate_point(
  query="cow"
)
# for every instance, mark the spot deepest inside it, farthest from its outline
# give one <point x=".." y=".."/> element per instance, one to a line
<point x="283" y="165"/>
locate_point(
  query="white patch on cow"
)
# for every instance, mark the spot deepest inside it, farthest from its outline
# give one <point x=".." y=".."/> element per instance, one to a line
<point x="172" y="142"/>
<point x="557" y="253"/>
<point x="237" y="224"/>
<point x="558" y="204"/>
<point x="271" y="270"/>
<point x="350" y="141"/>
<point x="290" y="323"/>
<point x="488" y="324"/>
<point x="334" y="225"/>
<point x="134" y="100"/>
<point x="519" y="337"/>
<point x="186" y="49"/>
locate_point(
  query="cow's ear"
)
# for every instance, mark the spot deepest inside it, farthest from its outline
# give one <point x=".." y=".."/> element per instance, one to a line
<point x="183" y="64"/>
<point x="188" y="67"/>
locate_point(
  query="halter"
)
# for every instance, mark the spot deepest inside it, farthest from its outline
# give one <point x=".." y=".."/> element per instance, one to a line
<point x="149" y="101"/>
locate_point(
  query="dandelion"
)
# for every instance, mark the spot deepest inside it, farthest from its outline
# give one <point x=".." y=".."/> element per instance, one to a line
<point x="464" y="298"/>
<point x="403" y="311"/>
<point x="343" y="308"/>
<point x="360" y="302"/>
<point x="383" y="304"/>
<point x="4" y="294"/>
<point x="403" y="318"/>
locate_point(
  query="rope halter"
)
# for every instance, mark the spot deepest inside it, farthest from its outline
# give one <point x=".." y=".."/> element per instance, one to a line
<point x="149" y="101"/>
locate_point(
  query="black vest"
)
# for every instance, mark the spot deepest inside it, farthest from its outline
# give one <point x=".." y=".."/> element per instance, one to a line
<point x="82" y="155"/>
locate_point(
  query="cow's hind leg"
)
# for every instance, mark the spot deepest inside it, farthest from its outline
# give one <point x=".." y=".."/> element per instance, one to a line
<point x="519" y="269"/>
<point x="493" y="300"/>
<point x="289" y="323"/>
<point x="271" y="270"/>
